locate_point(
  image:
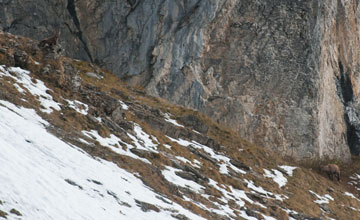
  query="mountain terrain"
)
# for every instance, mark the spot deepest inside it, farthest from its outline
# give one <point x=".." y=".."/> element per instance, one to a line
<point x="76" y="142"/>
<point x="281" y="73"/>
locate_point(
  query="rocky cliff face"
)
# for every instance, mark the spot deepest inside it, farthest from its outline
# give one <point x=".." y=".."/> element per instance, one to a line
<point x="283" y="73"/>
<point x="73" y="133"/>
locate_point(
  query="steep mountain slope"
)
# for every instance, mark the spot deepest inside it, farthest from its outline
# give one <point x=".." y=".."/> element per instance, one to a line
<point x="77" y="143"/>
<point x="282" y="73"/>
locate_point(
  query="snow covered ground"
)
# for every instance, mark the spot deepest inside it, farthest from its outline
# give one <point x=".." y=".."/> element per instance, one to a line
<point x="224" y="161"/>
<point x="78" y="106"/>
<point x="45" y="178"/>
<point x="322" y="199"/>
<point x="35" y="87"/>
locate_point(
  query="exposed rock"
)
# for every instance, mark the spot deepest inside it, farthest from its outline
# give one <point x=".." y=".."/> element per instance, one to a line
<point x="303" y="217"/>
<point x="15" y="212"/>
<point x="196" y="173"/>
<point x="180" y="217"/>
<point x="326" y="208"/>
<point x="94" y="75"/>
<point x="118" y="115"/>
<point x="256" y="197"/>
<point x="330" y="190"/>
<point x="158" y="123"/>
<point x="146" y="207"/>
<point x="105" y="114"/>
<point x="144" y="153"/>
<point x="70" y="77"/>
<point x="21" y="59"/>
<point x="3" y="214"/>
<point x="73" y="183"/>
<point x="187" y="175"/>
<point x="280" y="72"/>
<point x="95" y="181"/>
<point x="203" y="155"/>
<point x="193" y="122"/>
<point x="252" y="213"/>
<point x="239" y="164"/>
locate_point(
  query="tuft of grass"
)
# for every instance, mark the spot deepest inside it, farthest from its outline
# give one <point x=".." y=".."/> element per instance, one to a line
<point x="3" y="214"/>
<point x="15" y="212"/>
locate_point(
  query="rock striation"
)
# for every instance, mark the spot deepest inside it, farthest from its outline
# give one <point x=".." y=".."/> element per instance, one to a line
<point x="283" y="73"/>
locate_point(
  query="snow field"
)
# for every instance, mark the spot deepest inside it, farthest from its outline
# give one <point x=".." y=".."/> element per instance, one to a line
<point x="45" y="178"/>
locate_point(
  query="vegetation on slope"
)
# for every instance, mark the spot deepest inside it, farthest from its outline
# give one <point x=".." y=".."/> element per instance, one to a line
<point x="236" y="179"/>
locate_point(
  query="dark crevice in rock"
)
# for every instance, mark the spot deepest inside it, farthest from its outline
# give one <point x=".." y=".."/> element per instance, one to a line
<point x="346" y="94"/>
<point x="346" y="86"/>
<point x="72" y="11"/>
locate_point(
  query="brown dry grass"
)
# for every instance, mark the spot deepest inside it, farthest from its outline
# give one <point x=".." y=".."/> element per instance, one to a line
<point x="305" y="178"/>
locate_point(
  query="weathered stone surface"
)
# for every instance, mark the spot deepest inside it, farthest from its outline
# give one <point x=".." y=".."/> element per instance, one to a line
<point x="282" y="73"/>
<point x="146" y="207"/>
<point x="239" y="164"/>
<point x="144" y="153"/>
<point x="252" y="213"/>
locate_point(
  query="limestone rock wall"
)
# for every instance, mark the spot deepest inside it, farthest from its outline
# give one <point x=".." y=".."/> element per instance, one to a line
<point x="283" y="73"/>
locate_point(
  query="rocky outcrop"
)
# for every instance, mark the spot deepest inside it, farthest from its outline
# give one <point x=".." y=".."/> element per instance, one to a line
<point x="282" y="73"/>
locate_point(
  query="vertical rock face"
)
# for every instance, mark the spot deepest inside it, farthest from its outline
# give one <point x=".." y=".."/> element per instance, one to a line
<point x="283" y="73"/>
<point x="40" y="19"/>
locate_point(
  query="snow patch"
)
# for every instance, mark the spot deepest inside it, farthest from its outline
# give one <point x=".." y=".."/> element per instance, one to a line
<point x="36" y="88"/>
<point x="351" y="195"/>
<point x="172" y="121"/>
<point x="322" y="199"/>
<point x="167" y="146"/>
<point x="169" y="174"/>
<point x="144" y="141"/>
<point x="123" y="105"/>
<point x="288" y="169"/>
<point x="45" y="178"/>
<point x="183" y="159"/>
<point x="277" y="176"/>
<point x="263" y="192"/>
<point x="114" y="143"/>
<point x="78" y="106"/>
<point x="225" y="161"/>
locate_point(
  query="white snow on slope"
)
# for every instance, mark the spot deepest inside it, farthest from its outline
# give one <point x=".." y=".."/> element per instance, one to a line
<point x="277" y="176"/>
<point x="355" y="181"/>
<point x="172" y="121"/>
<point x="196" y="163"/>
<point x="37" y="88"/>
<point x="322" y="199"/>
<point x="123" y="105"/>
<point x="78" y="106"/>
<point x="144" y="141"/>
<point x="262" y="192"/>
<point x="232" y="194"/>
<point x="221" y="158"/>
<point x="45" y="178"/>
<point x="288" y="169"/>
<point x="351" y="195"/>
<point x="113" y="142"/>
<point x="169" y="174"/>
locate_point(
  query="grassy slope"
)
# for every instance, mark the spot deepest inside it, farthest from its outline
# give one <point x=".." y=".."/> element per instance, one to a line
<point x="305" y="178"/>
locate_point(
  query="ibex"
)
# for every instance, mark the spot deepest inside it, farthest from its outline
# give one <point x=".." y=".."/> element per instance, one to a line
<point x="331" y="170"/>
<point x="50" y="41"/>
